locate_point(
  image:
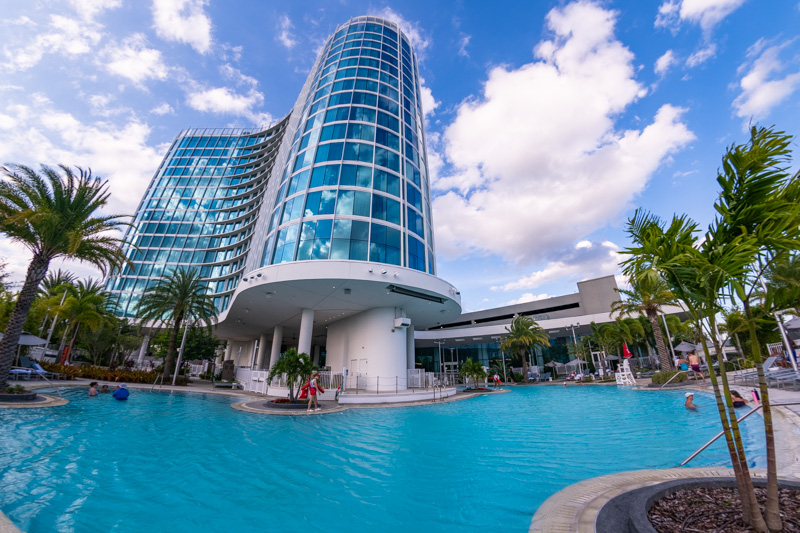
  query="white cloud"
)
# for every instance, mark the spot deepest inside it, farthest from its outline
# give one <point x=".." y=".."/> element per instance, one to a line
<point x="224" y="101"/>
<point x="88" y="9"/>
<point x="761" y="86"/>
<point x="462" y="45"/>
<point x="585" y="261"/>
<point x="537" y="161"/>
<point x="134" y="60"/>
<point x="163" y="109"/>
<point x="429" y="103"/>
<point x="45" y="134"/>
<point x="419" y="39"/>
<point x="230" y="73"/>
<point x="665" y="62"/>
<point x="284" y="35"/>
<point x="705" y="13"/>
<point x="702" y="55"/>
<point x="63" y="35"/>
<point x="184" y="21"/>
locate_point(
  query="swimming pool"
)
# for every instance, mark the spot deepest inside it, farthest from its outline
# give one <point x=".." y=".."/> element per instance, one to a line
<point x="188" y="462"/>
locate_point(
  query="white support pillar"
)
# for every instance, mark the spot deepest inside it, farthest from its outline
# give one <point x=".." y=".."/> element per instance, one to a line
<point x="143" y="350"/>
<point x="277" y="340"/>
<point x="410" y="355"/>
<point x="306" y="328"/>
<point x="228" y="352"/>
<point x="262" y="350"/>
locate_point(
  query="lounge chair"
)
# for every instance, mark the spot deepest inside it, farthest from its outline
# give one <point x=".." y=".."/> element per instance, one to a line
<point x="745" y="377"/>
<point x="17" y="373"/>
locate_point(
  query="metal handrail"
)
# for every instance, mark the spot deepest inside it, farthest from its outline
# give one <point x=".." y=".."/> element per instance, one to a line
<point x="160" y="376"/>
<point x="678" y="373"/>
<point x="50" y="382"/>
<point x="721" y="433"/>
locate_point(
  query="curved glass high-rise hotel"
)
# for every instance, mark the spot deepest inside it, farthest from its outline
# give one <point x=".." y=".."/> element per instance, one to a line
<point x="316" y="232"/>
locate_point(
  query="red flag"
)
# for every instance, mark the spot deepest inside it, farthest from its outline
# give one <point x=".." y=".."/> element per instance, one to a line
<point x="626" y="353"/>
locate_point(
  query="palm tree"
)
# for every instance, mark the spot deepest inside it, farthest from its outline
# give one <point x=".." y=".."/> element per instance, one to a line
<point x="647" y="295"/>
<point x="178" y="298"/>
<point x="296" y="367"/>
<point x="783" y="281"/>
<point x="87" y="303"/>
<point x="524" y="335"/>
<point x="53" y="216"/>
<point x="472" y="369"/>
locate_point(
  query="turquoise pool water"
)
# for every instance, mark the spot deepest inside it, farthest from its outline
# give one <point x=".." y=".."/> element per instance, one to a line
<point x="187" y="462"/>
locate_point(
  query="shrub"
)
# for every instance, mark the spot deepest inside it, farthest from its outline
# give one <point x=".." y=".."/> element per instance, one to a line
<point x="660" y="378"/>
<point x="517" y="377"/>
<point x="15" y="389"/>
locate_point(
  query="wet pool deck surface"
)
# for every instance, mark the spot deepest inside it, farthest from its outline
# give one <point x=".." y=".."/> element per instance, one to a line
<point x="573" y="509"/>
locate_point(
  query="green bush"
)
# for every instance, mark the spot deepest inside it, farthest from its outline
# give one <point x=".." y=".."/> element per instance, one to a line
<point x="517" y="377"/>
<point x="662" y="377"/>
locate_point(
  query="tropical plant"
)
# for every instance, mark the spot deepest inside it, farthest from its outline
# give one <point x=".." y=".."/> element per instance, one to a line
<point x="53" y="216"/>
<point x="86" y="304"/>
<point x="472" y="369"/>
<point x="524" y="335"/>
<point x="180" y="298"/>
<point x="758" y="221"/>
<point x="200" y="344"/>
<point x="647" y="296"/>
<point x="295" y="367"/>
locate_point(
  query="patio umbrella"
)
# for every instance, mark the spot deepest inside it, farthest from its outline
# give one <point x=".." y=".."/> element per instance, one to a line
<point x="29" y="339"/>
<point x="685" y="347"/>
<point x="612" y="357"/>
<point x="574" y="362"/>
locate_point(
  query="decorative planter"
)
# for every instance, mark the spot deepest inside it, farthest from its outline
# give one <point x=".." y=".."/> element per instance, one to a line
<point x="627" y="513"/>
<point x="18" y="398"/>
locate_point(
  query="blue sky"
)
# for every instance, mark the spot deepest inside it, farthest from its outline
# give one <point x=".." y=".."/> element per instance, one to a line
<point x="547" y="122"/>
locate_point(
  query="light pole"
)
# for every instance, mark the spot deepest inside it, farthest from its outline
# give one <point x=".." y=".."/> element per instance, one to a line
<point x="575" y="340"/>
<point x="503" y="355"/>
<point x="785" y="339"/>
<point x="441" y="363"/>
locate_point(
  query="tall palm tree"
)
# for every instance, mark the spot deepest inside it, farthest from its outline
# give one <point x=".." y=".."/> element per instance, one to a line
<point x="53" y="216"/>
<point x="180" y="297"/>
<point x="647" y="295"/>
<point x="524" y="335"/>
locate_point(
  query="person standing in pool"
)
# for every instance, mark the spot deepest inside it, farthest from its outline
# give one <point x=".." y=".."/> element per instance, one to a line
<point x="122" y="392"/>
<point x="738" y="400"/>
<point x="689" y="403"/>
<point x="313" y="385"/>
<point x="93" y="388"/>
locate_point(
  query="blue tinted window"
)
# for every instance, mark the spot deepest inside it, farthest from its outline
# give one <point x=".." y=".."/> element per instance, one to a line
<point x="387" y="138"/>
<point x="367" y="85"/>
<point x="361" y="131"/>
<point x="415" y="222"/>
<point x="413" y="196"/>
<point x="416" y="254"/>
<point x="358" y="152"/>
<point x="387" y="158"/>
<point x="384" y="181"/>
<point x="388" y="121"/>
<point x="334" y="131"/>
<point x="363" y="114"/>
<point x="329" y="152"/>
<point x="325" y="176"/>
<point x="336" y="114"/>
<point x="356" y="175"/>
<point x="340" y="99"/>
<point x="364" y="98"/>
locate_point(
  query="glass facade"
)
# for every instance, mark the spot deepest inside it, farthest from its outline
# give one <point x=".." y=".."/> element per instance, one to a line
<point x="355" y="184"/>
<point x="199" y="211"/>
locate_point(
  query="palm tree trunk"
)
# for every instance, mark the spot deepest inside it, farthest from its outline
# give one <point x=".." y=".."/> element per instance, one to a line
<point x="173" y="341"/>
<point x="72" y="342"/>
<point x="524" y="366"/>
<point x="37" y="270"/>
<point x="772" y="508"/>
<point x="746" y="491"/>
<point x="661" y="347"/>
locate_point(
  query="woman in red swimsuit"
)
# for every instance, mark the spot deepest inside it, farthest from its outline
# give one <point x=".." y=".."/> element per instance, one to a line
<point x="313" y="386"/>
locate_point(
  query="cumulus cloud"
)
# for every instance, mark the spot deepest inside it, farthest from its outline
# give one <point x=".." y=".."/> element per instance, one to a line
<point x="284" y="35"/>
<point x="537" y="160"/>
<point x="224" y="101"/>
<point x="585" y="261"/>
<point x="45" y="134"/>
<point x="528" y="297"/>
<point x="63" y="35"/>
<point x="163" y="109"/>
<point x="134" y="60"/>
<point x="183" y="21"/>
<point x="665" y="62"/>
<point x="762" y="85"/>
<point x="705" y="13"/>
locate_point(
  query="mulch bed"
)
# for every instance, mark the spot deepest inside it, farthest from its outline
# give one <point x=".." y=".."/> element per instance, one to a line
<point x="709" y="510"/>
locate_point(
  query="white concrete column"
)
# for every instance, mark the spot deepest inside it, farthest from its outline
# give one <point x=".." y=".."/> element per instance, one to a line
<point x="306" y="328"/>
<point x="262" y="350"/>
<point x="228" y="351"/>
<point x="410" y="356"/>
<point x="277" y="340"/>
<point x="316" y="351"/>
<point x="143" y="350"/>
